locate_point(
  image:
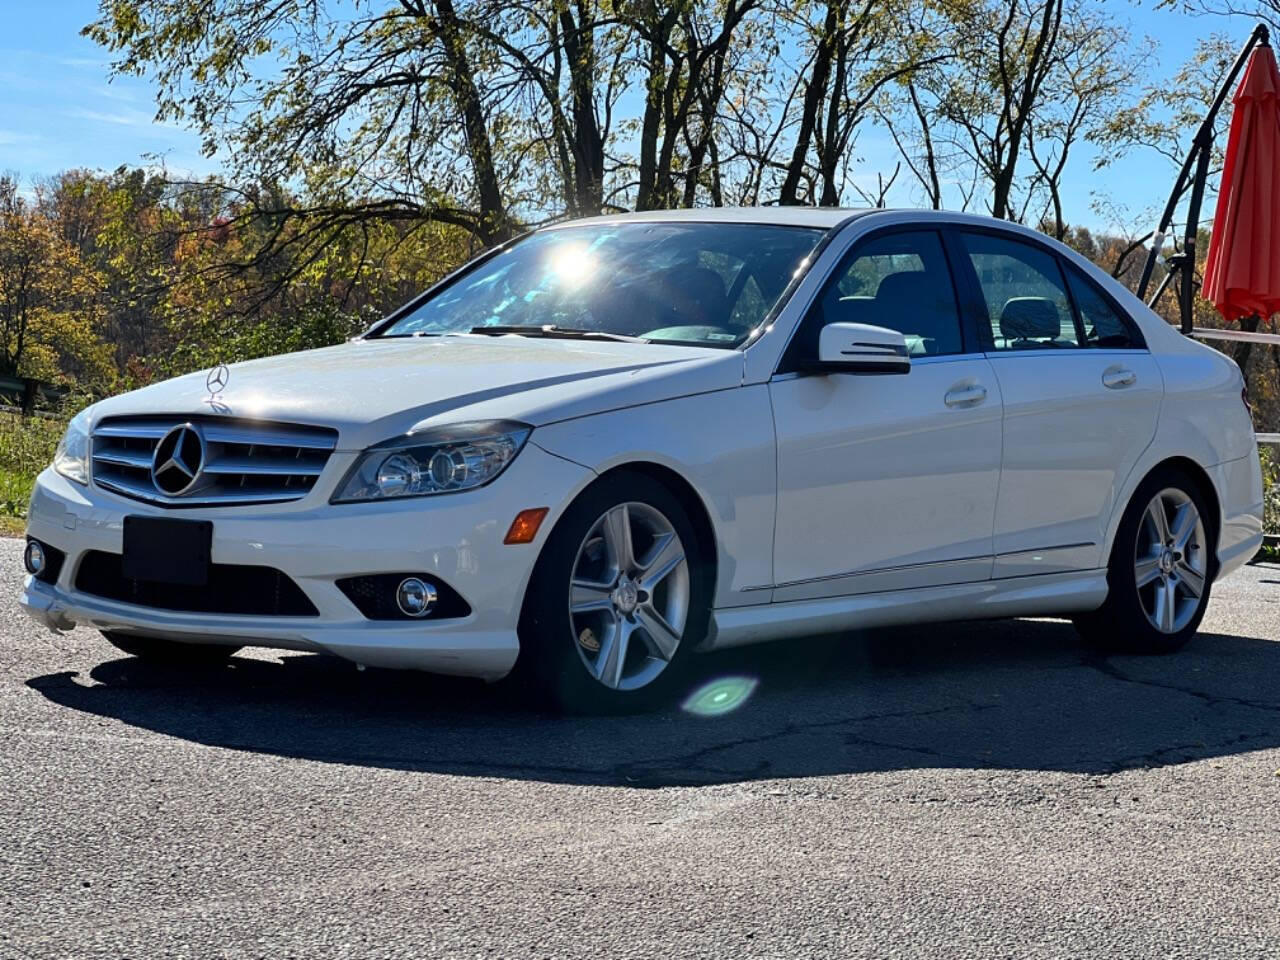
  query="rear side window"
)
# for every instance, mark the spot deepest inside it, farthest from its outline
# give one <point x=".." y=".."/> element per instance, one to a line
<point x="1103" y="327"/>
<point x="900" y="281"/>
<point x="1024" y="292"/>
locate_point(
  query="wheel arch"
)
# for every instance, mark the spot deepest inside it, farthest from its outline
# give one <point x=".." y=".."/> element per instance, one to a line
<point x="684" y="491"/>
<point x="690" y="499"/>
<point x="1204" y="486"/>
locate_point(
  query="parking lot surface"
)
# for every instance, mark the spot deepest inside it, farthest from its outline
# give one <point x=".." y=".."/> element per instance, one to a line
<point x="959" y="790"/>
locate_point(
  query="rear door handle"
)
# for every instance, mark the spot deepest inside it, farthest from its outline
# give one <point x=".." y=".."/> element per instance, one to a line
<point x="1117" y="378"/>
<point x="969" y="396"/>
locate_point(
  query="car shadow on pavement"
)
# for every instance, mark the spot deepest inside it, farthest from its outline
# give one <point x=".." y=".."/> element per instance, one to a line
<point x="1016" y="694"/>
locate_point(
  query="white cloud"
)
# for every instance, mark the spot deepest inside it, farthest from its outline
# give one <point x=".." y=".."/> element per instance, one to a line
<point x="138" y="119"/>
<point x="111" y="92"/>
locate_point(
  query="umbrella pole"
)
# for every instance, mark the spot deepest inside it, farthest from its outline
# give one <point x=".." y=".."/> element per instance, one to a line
<point x="1199" y="156"/>
<point x="1164" y="285"/>
<point x="1187" y="275"/>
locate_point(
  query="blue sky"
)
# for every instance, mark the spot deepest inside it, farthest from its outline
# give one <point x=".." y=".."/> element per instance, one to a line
<point x="59" y="110"/>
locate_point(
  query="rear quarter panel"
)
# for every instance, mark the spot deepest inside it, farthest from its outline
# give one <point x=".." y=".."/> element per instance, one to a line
<point x="1203" y="408"/>
<point x="1203" y="419"/>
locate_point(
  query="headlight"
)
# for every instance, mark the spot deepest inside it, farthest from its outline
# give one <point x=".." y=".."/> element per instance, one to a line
<point x="72" y="456"/>
<point x="440" y="460"/>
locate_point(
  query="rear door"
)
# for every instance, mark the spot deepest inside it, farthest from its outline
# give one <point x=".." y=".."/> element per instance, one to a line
<point x="1081" y="400"/>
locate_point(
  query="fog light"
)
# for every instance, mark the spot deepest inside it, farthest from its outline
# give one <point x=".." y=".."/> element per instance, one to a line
<point x="415" y="598"/>
<point x="33" y="558"/>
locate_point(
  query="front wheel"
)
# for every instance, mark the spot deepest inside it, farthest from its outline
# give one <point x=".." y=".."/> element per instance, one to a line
<point x="618" y="598"/>
<point x="171" y="652"/>
<point x="1161" y="570"/>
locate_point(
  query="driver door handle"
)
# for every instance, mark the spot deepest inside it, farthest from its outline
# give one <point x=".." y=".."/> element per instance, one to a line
<point x="967" y="396"/>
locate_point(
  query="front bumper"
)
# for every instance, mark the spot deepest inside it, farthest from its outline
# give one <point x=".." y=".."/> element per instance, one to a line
<point x="457" y="538"/>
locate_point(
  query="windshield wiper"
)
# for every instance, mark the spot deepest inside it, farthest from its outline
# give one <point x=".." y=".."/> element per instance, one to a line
<point x="551" y="331"/>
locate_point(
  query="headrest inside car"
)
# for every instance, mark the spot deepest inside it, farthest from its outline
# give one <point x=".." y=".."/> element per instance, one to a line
<point x="1027" y="318"/>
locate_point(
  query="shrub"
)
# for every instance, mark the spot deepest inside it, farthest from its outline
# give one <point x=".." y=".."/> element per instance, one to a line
<point x="26" y="447"/>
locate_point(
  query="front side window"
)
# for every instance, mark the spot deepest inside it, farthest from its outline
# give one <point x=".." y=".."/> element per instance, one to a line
<point x="1024" y="293"/>
<point x="900" y="281"/>
<point x="705" y="283"/>
<point x="1103" y="327"/>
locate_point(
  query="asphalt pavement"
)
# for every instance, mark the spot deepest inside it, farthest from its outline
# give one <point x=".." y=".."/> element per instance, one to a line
<point x="947" y="791"/>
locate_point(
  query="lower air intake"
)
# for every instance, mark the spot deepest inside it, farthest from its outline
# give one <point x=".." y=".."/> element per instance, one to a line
<point x="232" y="589"/>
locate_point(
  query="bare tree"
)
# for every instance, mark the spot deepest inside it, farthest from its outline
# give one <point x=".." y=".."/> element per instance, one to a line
<point x="682" y="44"/>
<point x="850" y="62"/>
<point x="1096" y="68"/>
<point x="1004" y="56"/>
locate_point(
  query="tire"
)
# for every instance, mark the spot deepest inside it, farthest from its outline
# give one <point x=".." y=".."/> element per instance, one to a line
<point x="172" y="652"/>
<point x="1139" y="616"/>
<point x="622" y="648"/>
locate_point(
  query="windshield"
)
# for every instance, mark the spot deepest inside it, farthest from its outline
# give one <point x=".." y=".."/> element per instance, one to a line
<point x="705" y="283"/>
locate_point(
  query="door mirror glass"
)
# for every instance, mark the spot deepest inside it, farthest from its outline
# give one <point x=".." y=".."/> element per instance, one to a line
<point x="862" y="348"/>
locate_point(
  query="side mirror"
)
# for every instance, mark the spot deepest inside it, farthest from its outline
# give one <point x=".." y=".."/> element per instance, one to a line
<point x="861" y="348"/>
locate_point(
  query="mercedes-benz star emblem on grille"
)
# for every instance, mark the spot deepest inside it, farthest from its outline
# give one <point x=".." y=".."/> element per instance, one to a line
<point x="179" y="460"/>
<point x="217" y="379"/>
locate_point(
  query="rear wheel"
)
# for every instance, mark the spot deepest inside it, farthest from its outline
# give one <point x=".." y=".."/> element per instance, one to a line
<point x="617" y="600"/>
<point x="169" y="651"/>
<point x="1161" y="569"/>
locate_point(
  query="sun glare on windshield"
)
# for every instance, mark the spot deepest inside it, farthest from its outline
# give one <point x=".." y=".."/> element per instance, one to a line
<point x="572" y="264"/>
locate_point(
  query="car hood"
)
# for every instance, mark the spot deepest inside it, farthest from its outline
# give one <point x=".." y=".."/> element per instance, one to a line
<point x="375" y="389"/>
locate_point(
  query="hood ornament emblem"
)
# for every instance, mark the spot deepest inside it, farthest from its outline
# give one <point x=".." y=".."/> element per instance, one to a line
<point x="217" y="379"/>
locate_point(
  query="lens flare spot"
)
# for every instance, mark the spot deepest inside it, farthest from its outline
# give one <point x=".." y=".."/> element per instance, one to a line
<point x="572" y="264"/>
<point x="720" y="696"/>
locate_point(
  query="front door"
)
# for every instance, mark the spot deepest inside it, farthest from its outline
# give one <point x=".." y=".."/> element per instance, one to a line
<point x="887" y="482"/>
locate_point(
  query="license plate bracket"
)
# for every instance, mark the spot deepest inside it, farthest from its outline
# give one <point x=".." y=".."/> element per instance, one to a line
<point x="165" y="550"/>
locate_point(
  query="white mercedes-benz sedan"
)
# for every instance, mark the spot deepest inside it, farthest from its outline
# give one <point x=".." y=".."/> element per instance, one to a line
<point x="613" y="443"/>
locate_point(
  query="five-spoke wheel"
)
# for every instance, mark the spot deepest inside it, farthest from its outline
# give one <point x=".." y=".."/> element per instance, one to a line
<point x="1171" y="562"/>
<point x="629" y="595"/>
<point x="1160" y="571"/>
<point x="620" y="594"/>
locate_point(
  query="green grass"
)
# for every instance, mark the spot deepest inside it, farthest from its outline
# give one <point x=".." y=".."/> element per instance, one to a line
<point x="26" y="448"/>
<point x="1271" y="488"/>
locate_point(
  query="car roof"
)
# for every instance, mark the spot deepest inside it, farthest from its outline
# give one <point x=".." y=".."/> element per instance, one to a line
<point x="821" y="217"/>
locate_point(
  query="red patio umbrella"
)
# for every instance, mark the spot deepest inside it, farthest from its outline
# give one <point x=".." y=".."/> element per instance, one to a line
<point x="1242" y="272"/>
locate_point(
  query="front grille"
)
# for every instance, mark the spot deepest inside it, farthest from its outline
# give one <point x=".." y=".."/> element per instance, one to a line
<point x="232" y="588"/>
<point x="246" y="461"/>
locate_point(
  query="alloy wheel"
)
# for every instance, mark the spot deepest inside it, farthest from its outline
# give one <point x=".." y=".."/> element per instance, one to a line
<point x="1170" y="561"/>
<point x="629" y="596"/>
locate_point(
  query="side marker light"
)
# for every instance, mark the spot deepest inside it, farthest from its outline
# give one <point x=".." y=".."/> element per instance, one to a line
<point x="525" y="526"/>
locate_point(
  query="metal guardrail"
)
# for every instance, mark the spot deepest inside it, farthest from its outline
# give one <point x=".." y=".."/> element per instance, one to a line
<point x="26" y="392"/>
<point x="18" y="412"/>
<point x="1241" y="336"/>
